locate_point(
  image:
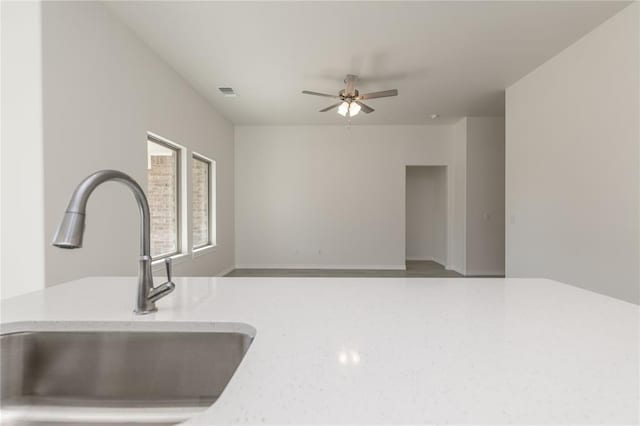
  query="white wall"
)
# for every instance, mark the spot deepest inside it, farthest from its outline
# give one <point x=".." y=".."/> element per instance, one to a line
<point x="103" y="90"/>
<point x="573" y="148"/>
<point x="426" y="213"/>
<point x="441" y="231"/>
<point x="334" y="196"/>
<point x="485" y="196"/>
<point x="22" y="259"/>
<point x="328" y="196"/>
<point x="458" y="201"/>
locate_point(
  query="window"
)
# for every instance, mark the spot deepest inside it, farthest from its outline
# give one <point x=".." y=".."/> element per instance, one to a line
<point x="163" y="183"/>
<point x="203" y="201"/>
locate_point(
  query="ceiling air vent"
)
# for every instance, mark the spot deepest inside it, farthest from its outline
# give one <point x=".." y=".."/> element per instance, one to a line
<point x="227" y="91"/>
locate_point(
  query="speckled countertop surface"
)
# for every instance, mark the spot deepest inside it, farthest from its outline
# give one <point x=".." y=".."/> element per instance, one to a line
<point x="389" y="350"/>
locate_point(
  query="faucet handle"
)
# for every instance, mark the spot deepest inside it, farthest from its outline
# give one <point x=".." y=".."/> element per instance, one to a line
<point x="157" y="293"/>
<point x="167" y="264"/>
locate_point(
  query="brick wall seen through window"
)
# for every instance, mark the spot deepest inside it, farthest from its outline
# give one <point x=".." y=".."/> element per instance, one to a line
<point x="162" y="192"/>
<point x="202" y="170"/>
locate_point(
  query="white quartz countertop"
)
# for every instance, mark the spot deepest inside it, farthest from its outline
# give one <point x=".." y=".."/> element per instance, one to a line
<point x="391" y="350"/>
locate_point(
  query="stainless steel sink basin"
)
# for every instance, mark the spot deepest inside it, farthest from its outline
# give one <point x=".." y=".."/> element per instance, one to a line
<point x="114" y="377"/>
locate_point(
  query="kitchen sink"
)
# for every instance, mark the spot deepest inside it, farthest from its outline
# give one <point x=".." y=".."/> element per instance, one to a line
<point x="124" y="377"/>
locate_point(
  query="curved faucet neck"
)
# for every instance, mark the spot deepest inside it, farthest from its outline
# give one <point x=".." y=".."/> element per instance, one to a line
<point x="78" y="202"/>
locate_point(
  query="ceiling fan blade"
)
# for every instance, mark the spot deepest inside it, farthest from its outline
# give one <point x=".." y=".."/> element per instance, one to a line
<point x="365" y="108"/>
<point x="307" y="92"/>
<point x="383" y="94"/>
<point x="330" y="107"/>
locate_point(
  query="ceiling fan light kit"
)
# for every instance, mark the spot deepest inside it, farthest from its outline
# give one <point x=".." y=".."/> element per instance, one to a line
<point x="354" y="109"/>
<point x="350" y="99"/>
<point x="343" y="109"/>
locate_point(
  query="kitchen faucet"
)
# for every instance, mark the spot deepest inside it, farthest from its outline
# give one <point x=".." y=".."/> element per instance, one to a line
<point x="71" y="230"/>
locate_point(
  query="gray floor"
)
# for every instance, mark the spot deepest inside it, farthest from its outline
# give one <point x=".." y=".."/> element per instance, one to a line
<point x="415" y="268"/>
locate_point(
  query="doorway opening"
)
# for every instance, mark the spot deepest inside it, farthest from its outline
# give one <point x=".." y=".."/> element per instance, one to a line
<point x="426" y="218"/>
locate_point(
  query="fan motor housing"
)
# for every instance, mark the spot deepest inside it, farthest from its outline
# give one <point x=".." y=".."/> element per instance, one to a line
<point x="348" y="96"/>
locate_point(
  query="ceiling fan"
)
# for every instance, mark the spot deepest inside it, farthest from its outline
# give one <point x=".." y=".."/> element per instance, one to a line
<point x="350" y="99"/>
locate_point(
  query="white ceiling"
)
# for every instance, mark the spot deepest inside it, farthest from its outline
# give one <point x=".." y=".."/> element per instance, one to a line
<point x="449" y="58"/>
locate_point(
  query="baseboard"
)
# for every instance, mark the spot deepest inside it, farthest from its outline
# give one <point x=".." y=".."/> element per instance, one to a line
<point x="440" y="261"/>
<point x="225" y="271"/>
<point x="454" y="268"/>
<point x="427" y="259"/>
<point x="484" y="273"/>
<point x="288" y="266"/>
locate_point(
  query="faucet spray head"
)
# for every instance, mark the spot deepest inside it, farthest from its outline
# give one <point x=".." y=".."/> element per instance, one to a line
<point x="70" y="231"/>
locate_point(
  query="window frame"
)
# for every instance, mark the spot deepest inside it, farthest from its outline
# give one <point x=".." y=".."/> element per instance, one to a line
<point x="151" y="137"/>
<point x="211" y="241"/>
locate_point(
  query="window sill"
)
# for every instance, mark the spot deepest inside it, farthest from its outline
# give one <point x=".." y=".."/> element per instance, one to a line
<point x="203" y="250"/>
<point x="176" y="259"/>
